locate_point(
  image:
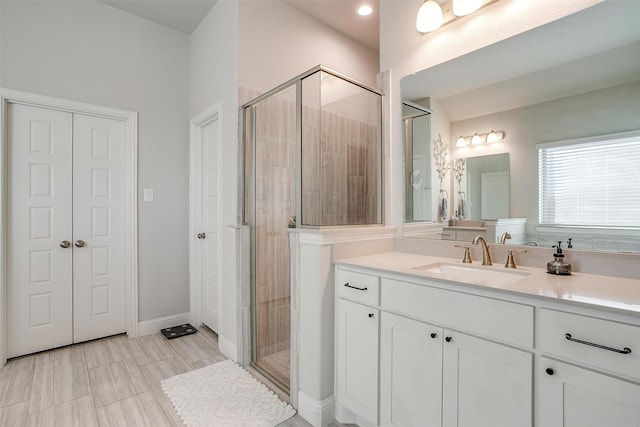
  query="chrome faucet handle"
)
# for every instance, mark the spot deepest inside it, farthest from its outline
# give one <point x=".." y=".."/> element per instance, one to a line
<point x="510" y="260"/>
<point x="467" y="255"/>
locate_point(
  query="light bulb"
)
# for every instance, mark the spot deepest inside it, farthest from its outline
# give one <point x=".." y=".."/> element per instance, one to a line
<point x="465" y="7"/>
<point x="365" y="10"/>
<point x="461" y="142"/>
<point x="493" y="137"/>
<point x="429" y="17"/>
<point x="476" y="139"/>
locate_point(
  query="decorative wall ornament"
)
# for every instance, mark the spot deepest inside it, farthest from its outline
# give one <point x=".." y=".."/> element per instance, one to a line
<point x="458" y="170"/>
<point x="440" y="154"/>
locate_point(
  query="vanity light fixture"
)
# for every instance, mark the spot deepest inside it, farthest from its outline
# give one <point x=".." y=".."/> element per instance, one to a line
<point x="477" y="139"/>
<point x="494" y="136"/>
<point x="433" y="14"/>
<point x="365" y="10"/>
<point x="429" y="17"/>
<point x="465" y="7"/>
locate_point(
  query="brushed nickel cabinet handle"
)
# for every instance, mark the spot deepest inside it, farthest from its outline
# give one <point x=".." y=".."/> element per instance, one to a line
<point x="65" y="244"/>
<point x="202" y="236"/>
<point x="79" y="243"/>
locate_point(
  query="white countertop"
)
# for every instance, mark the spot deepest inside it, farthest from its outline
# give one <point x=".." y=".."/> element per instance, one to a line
<point x="590" y="289"/>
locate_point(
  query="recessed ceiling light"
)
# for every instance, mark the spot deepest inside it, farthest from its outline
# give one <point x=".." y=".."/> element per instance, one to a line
<point x="365" y="10"/>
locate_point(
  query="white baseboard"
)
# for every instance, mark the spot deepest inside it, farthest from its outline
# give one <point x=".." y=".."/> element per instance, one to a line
<point x="317" y="413"/>
<point x="227" y="347"/>
<point x="148" y="327"/>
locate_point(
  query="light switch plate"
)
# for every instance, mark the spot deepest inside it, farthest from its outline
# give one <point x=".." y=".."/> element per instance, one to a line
<point x="148" y="194"/>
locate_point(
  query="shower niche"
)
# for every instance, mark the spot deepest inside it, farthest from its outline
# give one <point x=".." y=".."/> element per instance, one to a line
<point x="312" y="158"/>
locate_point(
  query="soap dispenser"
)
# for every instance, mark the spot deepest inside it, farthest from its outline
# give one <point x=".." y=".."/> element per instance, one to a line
<point x="559" y="266"/>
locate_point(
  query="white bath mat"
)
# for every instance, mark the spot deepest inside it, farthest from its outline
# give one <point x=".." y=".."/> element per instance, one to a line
<point x="224" y="394"/>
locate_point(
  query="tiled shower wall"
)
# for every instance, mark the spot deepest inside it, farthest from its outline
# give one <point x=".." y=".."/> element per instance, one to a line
<point x="340" y="184"/>
<point x="275" y="202"/>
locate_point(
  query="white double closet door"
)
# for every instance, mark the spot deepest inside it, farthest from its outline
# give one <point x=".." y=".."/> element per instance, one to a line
<point x="66" y="228"/>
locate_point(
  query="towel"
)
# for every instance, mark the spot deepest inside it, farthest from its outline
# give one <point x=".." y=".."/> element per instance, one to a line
<point x="443" y="209"/>
<point x="461" y="207"/>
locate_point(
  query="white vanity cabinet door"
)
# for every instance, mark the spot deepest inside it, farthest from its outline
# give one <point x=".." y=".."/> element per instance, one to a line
<point x="569" y="396"/>
<point x="485" y="384"/>
<point x="357" y="353"/>
<point x="410" y="373"/>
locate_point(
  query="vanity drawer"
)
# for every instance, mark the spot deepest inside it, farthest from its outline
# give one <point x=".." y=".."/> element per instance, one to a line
<point x="360" y="287"/>
<point x="610" y="337"/>
<point x="501" y="320"/>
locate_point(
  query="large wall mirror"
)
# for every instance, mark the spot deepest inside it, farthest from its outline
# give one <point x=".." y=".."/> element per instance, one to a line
<point x="573" y="79"/>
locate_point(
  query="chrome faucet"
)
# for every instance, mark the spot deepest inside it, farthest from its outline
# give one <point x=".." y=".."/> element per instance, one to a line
<point x="486" y="256"/>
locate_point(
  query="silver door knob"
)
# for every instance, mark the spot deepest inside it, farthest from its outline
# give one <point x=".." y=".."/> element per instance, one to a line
<point x="79" y="243"/>
<point x="202" y="236"/>
<point x="65" y="244"/>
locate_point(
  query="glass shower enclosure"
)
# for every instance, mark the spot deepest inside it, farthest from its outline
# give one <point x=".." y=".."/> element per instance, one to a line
<point x="312" y="157"/>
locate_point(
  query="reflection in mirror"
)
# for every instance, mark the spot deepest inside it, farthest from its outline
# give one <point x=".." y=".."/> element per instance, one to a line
<point x="552" y="87"/>
<point x="483" y="190"/>
<point x="417" y="136"/>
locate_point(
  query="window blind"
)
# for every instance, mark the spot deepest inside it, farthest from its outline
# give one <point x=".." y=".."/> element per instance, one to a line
<point x="590" y="184"/>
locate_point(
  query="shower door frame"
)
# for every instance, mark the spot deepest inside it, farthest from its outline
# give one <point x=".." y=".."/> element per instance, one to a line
<point x="249" y="108"/>
<point x="248" y="214"/>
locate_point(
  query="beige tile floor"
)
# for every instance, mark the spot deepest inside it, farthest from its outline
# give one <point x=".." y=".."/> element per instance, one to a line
<point x="109" y="382"/>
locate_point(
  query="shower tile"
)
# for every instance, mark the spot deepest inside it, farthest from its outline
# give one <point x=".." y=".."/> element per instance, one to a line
<point x="356" y="160"/>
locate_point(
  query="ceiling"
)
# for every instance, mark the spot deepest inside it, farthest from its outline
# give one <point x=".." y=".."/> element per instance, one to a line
<point x="341" y="16"/>
<point x="181" y="15"/>
<point x="185" y="15"/>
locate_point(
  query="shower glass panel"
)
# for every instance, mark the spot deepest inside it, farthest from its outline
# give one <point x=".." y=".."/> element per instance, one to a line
<point x="274" y="125"/>
<point x="341" y="143"/>
<point x="312" y="152"/>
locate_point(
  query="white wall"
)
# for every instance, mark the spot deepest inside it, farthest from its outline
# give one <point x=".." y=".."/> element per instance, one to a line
<point x="277" y="42"/>
<point x="213" y="79"/>
<point x="90" y="52"/>
<point x="404" y="51"/>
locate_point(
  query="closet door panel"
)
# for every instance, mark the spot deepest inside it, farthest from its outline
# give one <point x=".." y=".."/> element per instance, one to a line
<point x="39" y="222"/>
<point x="98" y="228"/>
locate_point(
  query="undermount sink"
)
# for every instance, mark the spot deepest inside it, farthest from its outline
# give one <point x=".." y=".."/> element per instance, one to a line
<point x="474" y="274"/>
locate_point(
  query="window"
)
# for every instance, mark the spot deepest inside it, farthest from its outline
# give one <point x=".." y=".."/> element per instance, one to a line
<point x="592" y="182"/>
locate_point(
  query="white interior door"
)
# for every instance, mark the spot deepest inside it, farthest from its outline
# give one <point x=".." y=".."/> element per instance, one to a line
<point x="39" y="222"/>
<point x="494" y="202"/>
<point x="66" y="228"/>
<point x="210" y="221"/>
<point x="99" y="212"/>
